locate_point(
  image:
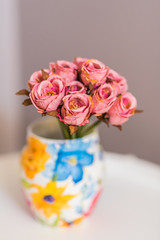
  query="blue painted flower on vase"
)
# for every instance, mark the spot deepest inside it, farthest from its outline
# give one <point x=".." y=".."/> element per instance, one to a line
<point x="53" y="149"/>
<point x="49" y="170"/>
<point x="76" y="144"/>
<point x="68" y="159"/>
<point x="89" y="188"/>
<point x="100" y="154"/>
<point x="71" y="164"/>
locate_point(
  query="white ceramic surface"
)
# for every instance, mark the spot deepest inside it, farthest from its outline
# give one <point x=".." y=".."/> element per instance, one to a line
<point x="128" y="209"/>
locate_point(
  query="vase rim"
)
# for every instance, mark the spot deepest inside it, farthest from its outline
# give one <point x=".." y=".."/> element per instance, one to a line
<point x="33" y="124"/>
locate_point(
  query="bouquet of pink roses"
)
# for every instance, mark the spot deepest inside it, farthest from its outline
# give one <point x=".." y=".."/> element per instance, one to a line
<point x="74" y="91"/>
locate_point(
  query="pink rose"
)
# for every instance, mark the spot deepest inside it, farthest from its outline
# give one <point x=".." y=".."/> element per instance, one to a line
<point x="75" y="87"/>
<point x="122" y="109"/>
<point x="67" y="70"/>
<point x="79" y="61"/>
<point x="48" y="94"/>
<point x="104" y="97"/>
<point x="94" y="72"/>
<point x="36" y="77"/>
<point x="76" y="109"/>
<point x="121" y="81"/>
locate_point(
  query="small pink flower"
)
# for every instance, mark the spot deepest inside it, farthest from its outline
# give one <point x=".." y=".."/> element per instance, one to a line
<point x="122" y="109"/>
<point x="121" y="81"/>
<point x="104" y="97"/>
<point x="47" y="95"/>
<point x="36" y="77"/>
<point x="67" y="70"/>
<point x="94" y="72"/>
<point x="79" y="61"/>
<point x="76" y="109"/>
<point x="75" y="87"/>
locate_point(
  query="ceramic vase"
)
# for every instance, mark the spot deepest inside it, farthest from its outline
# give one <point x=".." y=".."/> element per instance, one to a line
<point x="61" y="179"/>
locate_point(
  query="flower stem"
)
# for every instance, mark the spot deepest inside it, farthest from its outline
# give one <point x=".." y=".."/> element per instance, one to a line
<point x="64" y="129"/>
<point x="74" y="135"/>
<point x="80" y="129"/>
<point x="81" y="132"/>
<point x="90" y="128"/>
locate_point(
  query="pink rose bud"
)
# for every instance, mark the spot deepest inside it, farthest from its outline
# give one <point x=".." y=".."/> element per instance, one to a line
<point x="36" y="77"/>
<point x="67" y="70"/>
<point x="121" y="81"/>
<point x="104" y="97"/>
<point x="122" y="109"/>
<point x="76" y="109"/>
<point x="75" y="87"/>
<point x="51" y="66"/>
<point x="47" y="95"/>
<point x="94" y="72"/>
<point x="79" y="61"/>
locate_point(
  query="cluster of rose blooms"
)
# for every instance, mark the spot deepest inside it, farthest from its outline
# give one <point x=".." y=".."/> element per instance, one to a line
<point x="74" y="91"/>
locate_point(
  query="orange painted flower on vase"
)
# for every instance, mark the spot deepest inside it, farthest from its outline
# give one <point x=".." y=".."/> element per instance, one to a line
<point x="51" y="199"/>
<point x="34" y="157"/>
<point x="76" y="221"/>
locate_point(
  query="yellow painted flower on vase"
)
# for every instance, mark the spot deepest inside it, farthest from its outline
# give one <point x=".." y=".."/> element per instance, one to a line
<point x="51" y="199"/>
<point x="34" y="157"/>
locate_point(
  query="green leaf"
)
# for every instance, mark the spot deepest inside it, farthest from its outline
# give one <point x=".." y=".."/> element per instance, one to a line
<point x="56" y="222"/>
<point x="138" y="111"/>
<point x="73" y="129"/>
<point x="23" y="92"/>
<point x="54" y="178"/>
<point x="41" y="221"/>
<point x="99" y="181"/>
<point x="25" y="183"/>
<point x="118" y="126"/>
<point x="45" y="75"/>
<point x="52" y="113"/>
<point x="27" y="102"/>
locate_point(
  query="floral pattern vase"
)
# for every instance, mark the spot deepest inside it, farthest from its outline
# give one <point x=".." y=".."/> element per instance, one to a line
<point x="61" y="179"/>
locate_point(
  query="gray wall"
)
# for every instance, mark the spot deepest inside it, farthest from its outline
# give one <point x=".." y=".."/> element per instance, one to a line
<point x="123" y="34"/>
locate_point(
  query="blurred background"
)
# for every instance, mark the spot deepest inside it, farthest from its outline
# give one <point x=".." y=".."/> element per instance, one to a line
<point x="123" y="34"/>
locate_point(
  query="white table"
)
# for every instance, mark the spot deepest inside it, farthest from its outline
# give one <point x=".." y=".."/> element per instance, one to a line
<point x="128" y="209"/>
